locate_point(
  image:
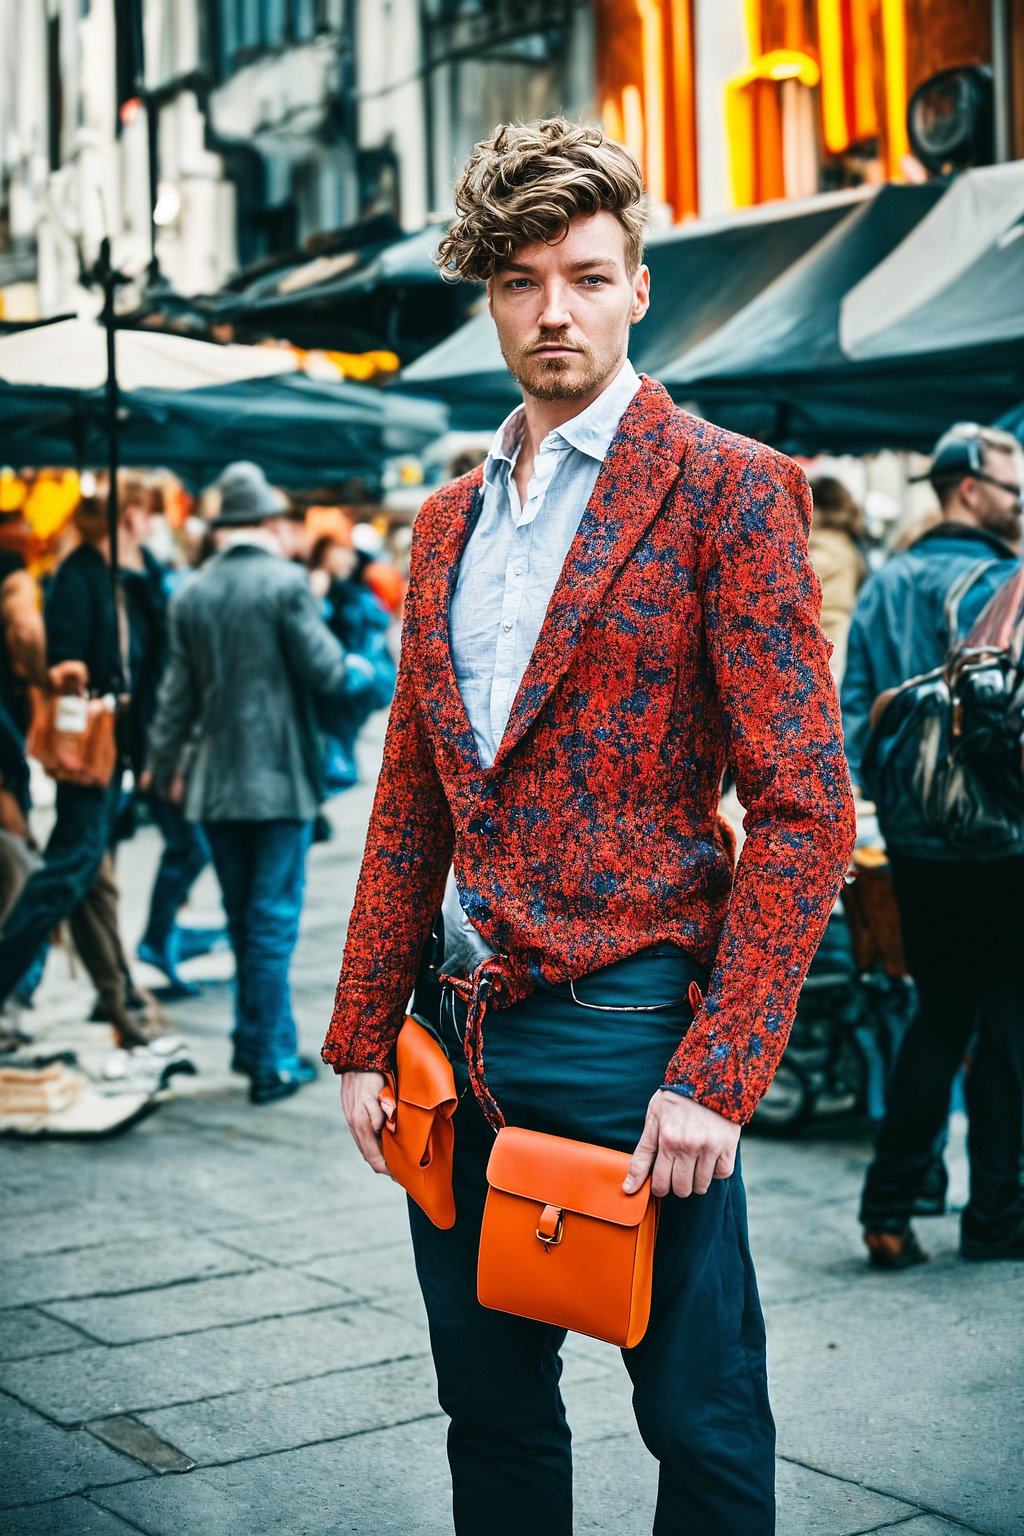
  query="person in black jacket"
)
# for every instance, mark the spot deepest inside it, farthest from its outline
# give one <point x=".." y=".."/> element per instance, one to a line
<point x="84" y="656"/>
<point x="962" y="919"/>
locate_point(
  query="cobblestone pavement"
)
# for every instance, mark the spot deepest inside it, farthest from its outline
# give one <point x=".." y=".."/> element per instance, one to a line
<point x="211" y="1326"/>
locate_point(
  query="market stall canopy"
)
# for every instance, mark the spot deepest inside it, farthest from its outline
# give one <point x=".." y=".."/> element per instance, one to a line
<point x="301" y="431"/>
<point x="956" y="281"/>
<point x="72" y="354"/>
<point x="792" y="325"/>
<point x="389" y="296"/>
<point x="700" y="274"/>
<point x="193" y="407"/>
<point x="777" y="371"/>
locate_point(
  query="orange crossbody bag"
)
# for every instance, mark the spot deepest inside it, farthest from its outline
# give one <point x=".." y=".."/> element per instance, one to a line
<point x="561" y="1243"/>
<point x="418" y="1139"/>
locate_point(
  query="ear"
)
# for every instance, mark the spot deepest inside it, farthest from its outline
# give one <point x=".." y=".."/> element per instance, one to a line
<point x="641" y="294"/>
<point x="490" y="297"/>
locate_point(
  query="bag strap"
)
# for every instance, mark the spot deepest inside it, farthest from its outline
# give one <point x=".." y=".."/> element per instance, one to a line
<point x="958" y="591"/>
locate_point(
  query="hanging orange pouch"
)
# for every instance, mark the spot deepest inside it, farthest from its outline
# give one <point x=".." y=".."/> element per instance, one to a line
<point x="561" y="1243"/>
<point x="418" y="1139"/>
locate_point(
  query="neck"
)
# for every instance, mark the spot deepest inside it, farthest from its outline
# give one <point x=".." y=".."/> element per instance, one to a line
<point x="956" y="512"/>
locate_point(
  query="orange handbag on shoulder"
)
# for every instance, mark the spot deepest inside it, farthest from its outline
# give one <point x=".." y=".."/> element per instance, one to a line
<point x="418" y="1139"/>
<point x="561" y="1242"/>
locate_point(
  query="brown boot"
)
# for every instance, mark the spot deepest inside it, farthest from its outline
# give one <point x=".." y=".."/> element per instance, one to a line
<point x="893" y="1250"/>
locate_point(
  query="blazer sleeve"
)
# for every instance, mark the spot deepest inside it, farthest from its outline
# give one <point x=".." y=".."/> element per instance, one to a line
<point x="770" y="666"/>
<point x="177" y="706"/>
<point x="405" y="864"/>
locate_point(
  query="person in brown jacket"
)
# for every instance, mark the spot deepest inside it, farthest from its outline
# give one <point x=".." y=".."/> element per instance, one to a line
<point x="834" y="545"/>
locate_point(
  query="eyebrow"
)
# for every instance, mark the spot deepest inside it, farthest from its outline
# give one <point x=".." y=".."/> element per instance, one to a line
<point x="576" y="266"/>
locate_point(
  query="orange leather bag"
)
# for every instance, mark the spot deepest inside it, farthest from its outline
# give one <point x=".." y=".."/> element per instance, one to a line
<point x="418" y="1139"/>
<point x="561" y="1243"/>
<point x="74" y="739"/>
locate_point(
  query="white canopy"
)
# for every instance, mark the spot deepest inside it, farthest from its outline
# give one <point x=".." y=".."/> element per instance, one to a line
<point x="957" y="280"/>
<point x="72" y="354"/>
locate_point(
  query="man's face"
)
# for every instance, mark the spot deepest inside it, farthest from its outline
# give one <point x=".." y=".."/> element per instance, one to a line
<point x="999" y="509"/>
<point x="563" y="311"/>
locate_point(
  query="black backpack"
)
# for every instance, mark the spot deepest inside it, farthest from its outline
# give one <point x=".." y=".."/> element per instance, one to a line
<point x="944" y="759"/>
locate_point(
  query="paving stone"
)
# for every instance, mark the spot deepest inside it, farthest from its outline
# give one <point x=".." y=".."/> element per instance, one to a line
<point x="65" y="1517"/>
<point x="123" y="1433"/>
<point x="813" y="1504"/>
<point x="186" y="1367"/>
<point x="923" y="1525"/>
<point x="390" y="1483"/>
<point x="199" y="1304"/>
<point x="917" y="1401"/>
<point x="372" y="1219"/>
<point x="281" y="1418"/>
<point x="371" y="1273"/>
<point x="615" y="1486"/>
<point x="43" y="1462"/>
<point x="112" y="1269"/>
<point x="25" y="1332"/>
<point x="84" y="1224"/>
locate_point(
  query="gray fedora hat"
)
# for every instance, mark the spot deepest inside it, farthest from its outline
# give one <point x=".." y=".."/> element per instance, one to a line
<point x="247" y="497"/>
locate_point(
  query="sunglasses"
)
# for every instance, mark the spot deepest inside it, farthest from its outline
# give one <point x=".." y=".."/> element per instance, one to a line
<point x="1003" y="485"/>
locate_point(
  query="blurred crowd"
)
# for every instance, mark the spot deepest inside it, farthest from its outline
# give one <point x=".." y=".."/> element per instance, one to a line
<point x="229" y="662"/>
<point x="139" y="718"/>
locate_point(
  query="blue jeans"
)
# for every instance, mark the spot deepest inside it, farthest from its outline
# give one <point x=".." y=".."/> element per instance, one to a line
<point x="583" y="1062"/>
<point x="261" y="866"/>
<point x="185" y="856"/>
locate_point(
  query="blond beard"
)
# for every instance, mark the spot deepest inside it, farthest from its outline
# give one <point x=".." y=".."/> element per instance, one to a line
<point x="543" y="377"/>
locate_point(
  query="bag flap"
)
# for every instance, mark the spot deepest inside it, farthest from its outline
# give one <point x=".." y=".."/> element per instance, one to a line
<point x="424" y="1073"/>
<point x="572" y="1175"/>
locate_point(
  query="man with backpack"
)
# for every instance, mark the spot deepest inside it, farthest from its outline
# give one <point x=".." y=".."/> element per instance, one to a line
<point x="961" y="906"/>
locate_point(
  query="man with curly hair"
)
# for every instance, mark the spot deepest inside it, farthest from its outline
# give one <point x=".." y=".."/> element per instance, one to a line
<point x="610" y="610"/>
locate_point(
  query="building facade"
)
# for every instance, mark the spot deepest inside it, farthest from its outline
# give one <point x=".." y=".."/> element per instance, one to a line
<point x="206" y="135"/>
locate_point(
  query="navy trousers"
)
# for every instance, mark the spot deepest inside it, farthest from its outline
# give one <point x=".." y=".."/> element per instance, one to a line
<point x="583" y="1061"/>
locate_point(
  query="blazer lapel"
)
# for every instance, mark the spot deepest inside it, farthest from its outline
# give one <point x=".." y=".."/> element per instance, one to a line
<point x="439" y="689"/>
<point x="643" y="463"/>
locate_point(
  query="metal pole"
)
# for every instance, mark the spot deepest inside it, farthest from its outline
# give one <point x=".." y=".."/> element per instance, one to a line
<point x="108" y="280"/>
<point x="1002" y="80"/>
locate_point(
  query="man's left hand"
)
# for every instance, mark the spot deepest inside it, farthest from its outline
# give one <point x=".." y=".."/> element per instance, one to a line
<point x="687" y="1144"/>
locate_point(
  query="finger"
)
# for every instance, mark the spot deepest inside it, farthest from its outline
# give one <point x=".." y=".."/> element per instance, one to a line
<point x="726" y="1164"/>
<point x="663" y="1175"/>
<point x="368" y="1142"/>
<point x="704" y="1171"/>
<point x="683" y="1165"/>
<point x="643" y="1157"/>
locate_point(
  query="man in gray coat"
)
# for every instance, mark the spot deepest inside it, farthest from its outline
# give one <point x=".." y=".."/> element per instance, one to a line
<point x="248" y="658"/>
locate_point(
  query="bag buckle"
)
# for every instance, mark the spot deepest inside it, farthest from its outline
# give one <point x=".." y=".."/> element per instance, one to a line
<point x="549" y="1229"/>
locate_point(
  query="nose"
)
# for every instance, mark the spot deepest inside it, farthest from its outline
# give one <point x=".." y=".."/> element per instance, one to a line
<point x="555" y="314"/>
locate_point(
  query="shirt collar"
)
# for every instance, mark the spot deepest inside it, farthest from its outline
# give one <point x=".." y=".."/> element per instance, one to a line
<point x="590" y="432"/>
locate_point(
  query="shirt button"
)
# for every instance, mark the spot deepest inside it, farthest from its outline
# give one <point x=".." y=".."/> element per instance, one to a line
<point x="518" y="570"/>
<point x="506" y="625"/>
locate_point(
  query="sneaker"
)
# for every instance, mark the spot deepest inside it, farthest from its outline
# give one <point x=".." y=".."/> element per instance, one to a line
<point x="893" y="1249"/>
<point x="1009" y="1247"/>
<point x="193" y="942"/>
<point x="148" y="1068"/>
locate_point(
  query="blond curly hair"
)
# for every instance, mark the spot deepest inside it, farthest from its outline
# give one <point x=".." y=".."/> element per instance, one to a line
<point x="526" y="182"/>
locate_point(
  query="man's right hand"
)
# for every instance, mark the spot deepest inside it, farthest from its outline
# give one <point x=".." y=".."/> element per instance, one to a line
<point x="360" y="1100"/>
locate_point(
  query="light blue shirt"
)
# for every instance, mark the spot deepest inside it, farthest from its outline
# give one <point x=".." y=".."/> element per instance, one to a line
<point x="508" y="571"/>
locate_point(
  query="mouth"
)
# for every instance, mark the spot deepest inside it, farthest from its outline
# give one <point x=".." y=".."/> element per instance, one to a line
<point x="556" y="351"/>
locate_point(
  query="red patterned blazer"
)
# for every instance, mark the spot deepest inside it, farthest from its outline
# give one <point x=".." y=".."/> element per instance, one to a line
<point x="682" y="635"/>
